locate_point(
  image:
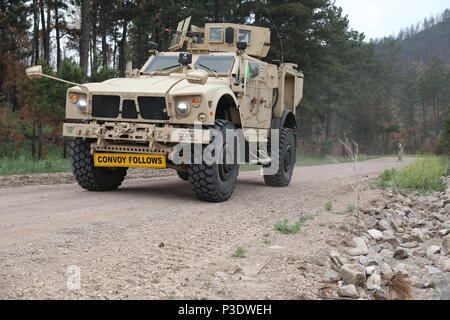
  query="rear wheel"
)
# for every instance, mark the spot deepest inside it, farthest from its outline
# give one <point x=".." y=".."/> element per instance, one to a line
<point x="90" y="177"/>
<point x="215" y="182"/>
<point x="284" y="159"/>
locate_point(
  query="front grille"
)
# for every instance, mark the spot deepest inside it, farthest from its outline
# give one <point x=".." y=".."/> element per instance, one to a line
<point x="152" y="108"/>
<point x="129" y="110"/>
<point x="105" y="106"/>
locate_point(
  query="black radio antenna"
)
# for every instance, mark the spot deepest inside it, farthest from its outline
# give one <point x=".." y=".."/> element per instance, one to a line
<point x="278" y="34"/>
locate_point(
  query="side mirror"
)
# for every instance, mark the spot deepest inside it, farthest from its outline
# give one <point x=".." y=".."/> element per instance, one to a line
<point x="197" y="76"/>
<point x="152" y="46"/>
<point x="34" y="72"/>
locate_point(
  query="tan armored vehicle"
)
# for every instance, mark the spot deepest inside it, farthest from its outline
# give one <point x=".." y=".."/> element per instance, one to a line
<point x="217" y="84"/>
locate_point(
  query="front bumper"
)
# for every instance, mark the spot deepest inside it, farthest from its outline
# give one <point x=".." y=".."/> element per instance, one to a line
<point x="124" y="132"/>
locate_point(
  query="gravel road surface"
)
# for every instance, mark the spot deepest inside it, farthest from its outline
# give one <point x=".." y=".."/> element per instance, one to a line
<point x="153" y="240"/>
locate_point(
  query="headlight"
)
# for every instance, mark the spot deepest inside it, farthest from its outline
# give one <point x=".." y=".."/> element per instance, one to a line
<point x="82" y="104"/>
<point x="182" y="108"/>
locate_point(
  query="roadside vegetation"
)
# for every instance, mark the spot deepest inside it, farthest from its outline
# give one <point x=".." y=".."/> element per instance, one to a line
<point x="310" y="160"/>
<point x="22" y="163"/>
<point x="239" y="252"/>
<point x="285" y="227"/>
<point x="423" y="175"/>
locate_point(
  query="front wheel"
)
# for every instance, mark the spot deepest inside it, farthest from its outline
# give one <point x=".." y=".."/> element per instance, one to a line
<point x="283" y="161"/>
<point x="216" y="182"/>
<point x="90" y="177"/>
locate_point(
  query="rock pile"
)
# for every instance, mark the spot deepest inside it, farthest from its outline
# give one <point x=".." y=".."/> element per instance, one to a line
<point x="407" y="239"/>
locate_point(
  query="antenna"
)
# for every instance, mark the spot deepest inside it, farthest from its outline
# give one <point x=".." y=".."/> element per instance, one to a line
<point x="278" y="34"/>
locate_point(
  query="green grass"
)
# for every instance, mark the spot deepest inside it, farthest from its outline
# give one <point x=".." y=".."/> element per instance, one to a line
<point x="309" y="160"/>
<point x="423" y="175"/>
<point x="284" y="227"/>
<point x="54" y="162"/>
<point x="239" y="252"/>
<point x="23" y="165"/>
<point x="329" y="205"/>
<point x="350" y="209"/>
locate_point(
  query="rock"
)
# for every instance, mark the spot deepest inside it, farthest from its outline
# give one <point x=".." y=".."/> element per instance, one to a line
<point x="331" y="276"/>
<point x="387" y="253"/>
<point x="392" y="240"/>
<point x="353" y="274"/>
<point x="361" y="248"/>
<point x="433" y="270"/>
<point x="445" y="293"/>
<point x="418" y="235"/>
<point x="349" y="291"/>
<point x="400" y="268"/>
<point x="386" y="269"/>
<point x="383" y="225"/>
<point x="371" y="211"/>
<point x="432" y="250"/>
<point x="444" y="262"/>
<point x="363" y="260"/>
<point x="444" y="232"/>
<point x="336" y="260"/>
<point x="374" y="282"/>
<point x="420" y="252"/>
<point x="401" y="254"/>
<point x="410" y="245"/>
<point x="375" y="234"/>
<point x="446" y="245"/>
<point x="371" y="270"/>
<point x="395" y="225"/>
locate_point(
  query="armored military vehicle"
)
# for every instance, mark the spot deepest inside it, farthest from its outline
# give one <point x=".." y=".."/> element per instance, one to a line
<point x="210" y="80"/>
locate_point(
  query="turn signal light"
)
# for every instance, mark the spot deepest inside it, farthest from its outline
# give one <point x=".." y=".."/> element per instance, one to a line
<point x="196" y="101"/>
<point x="74" y="98"/>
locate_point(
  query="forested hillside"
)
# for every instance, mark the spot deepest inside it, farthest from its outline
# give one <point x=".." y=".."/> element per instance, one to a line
<point x="351" y="88"/>
<point x="421" y="41"/>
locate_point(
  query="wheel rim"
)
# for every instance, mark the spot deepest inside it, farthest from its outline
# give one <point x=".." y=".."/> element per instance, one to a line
<point x="287" y="158"/>
<point x="225" y="169"/>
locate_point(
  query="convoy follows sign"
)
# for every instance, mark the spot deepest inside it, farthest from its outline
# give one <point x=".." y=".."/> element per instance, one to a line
<point x="130" y="160"/>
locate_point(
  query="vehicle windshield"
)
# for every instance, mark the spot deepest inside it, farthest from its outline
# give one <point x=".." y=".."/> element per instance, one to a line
<point x="163" y="64"/>
<point x="215" y="65"/>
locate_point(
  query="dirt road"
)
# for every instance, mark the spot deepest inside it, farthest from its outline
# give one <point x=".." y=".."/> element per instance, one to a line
<point x="153" y="240"/>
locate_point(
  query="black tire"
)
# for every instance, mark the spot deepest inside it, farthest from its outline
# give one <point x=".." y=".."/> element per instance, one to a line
<point x="184" y="175"/>
<point x="90" y="177"/>
<point x="286" y="158"/>
<point x="214" y="182"/>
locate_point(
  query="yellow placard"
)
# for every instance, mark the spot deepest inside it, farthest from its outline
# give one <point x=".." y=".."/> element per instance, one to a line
<point x="127" y="160"/>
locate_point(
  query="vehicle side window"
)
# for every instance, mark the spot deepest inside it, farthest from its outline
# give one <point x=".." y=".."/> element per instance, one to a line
<point x="216" y="35"/>
<point x="252" y="70"/>
<point x="244" y="35"/>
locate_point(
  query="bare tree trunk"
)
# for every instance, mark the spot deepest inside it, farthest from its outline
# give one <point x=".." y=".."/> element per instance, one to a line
<point x="84" y="40"/>
<point x="104" y="43"/>
<point x="122" y="49"/>
<point x="58" y="37"/>
<point x="35" y="32"/>
<point x="44" y="29"/>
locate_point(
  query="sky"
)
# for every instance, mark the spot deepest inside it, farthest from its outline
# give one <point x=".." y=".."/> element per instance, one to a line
<point x="379" y="18"/>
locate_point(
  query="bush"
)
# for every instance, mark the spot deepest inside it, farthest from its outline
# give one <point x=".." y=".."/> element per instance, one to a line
<point x="424" y="175"/>
<point x="284" y="227"/>
<point x="239" y="252"/>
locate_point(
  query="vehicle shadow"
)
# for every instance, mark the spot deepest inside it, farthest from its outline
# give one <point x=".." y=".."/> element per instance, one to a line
<point x="174" y="190"/>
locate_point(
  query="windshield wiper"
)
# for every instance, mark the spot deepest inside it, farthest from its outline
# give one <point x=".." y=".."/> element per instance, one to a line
<point x="165" y="68"/>
<point x="210" y="69"/>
